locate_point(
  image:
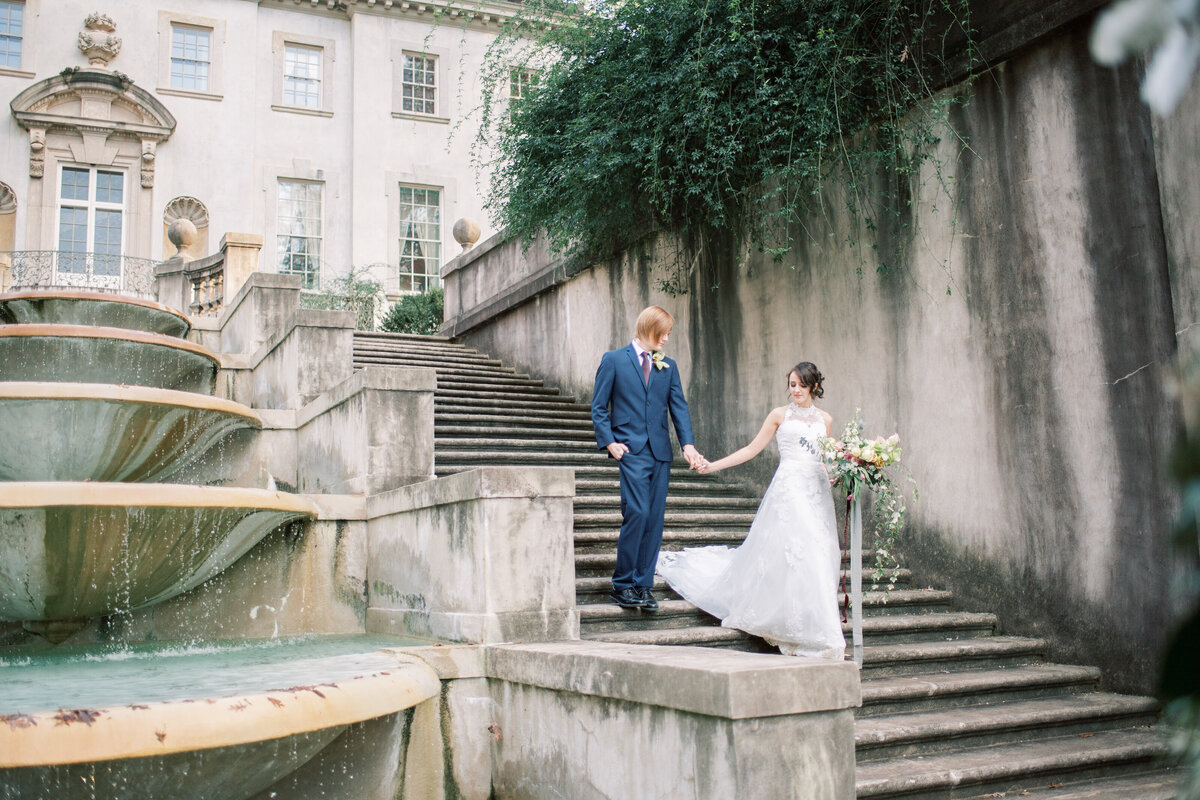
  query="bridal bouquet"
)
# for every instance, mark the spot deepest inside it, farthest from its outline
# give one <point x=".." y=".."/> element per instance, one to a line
<point x="856" y="463"/>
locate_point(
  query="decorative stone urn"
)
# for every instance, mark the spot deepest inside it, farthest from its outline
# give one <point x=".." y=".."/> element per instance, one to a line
<point x="99" y="42"/>
<point x="466" y="233"/>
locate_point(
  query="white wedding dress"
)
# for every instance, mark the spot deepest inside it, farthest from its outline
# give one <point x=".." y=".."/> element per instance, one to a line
<point x="781" y="583"/>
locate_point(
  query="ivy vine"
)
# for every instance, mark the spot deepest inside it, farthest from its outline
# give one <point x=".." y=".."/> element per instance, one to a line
<point x="709" y="116"/>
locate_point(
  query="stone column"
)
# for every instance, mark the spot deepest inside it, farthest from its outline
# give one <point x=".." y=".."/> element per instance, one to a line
<point x="241" y="258"/>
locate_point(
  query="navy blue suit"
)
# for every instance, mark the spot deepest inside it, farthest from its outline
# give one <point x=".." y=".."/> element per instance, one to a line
<point x="627" y="410"/>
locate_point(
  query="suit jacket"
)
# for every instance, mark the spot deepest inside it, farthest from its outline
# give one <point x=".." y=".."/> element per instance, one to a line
<point x="629" y="411"/>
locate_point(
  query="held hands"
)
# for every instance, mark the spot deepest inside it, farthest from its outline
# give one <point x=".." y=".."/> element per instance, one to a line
<point x="694" y="459"/>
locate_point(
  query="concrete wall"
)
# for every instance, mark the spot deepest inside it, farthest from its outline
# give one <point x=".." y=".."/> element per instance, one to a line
<point x="1018" y="345"/>
<point x="482" y="556"/>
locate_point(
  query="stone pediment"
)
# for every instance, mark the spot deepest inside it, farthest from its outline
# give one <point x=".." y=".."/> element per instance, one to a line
<point x="94" y="98"/>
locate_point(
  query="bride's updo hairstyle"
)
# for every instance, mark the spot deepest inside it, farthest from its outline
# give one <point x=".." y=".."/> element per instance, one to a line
<point x="652" y="324"/>
<point x="810" y="377"/>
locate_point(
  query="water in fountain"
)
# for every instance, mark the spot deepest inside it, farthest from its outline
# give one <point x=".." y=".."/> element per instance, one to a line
<point x="100" y="401"/>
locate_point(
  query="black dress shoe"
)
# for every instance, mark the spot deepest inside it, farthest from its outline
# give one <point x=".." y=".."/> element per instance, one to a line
<point x="648" y="601"/>
<point x="629" y="597"/>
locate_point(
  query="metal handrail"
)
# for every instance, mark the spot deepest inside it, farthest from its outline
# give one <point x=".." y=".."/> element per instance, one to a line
<point x="67" y="269"/>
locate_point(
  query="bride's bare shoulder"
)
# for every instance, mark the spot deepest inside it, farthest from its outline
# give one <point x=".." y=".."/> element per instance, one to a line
<point x="777" y="415"/>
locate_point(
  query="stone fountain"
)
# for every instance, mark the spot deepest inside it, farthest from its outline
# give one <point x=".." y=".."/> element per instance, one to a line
<point x="103" y="402"/>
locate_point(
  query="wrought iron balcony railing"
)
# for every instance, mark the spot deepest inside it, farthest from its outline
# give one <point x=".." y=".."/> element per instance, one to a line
<point x="65" y="269"/>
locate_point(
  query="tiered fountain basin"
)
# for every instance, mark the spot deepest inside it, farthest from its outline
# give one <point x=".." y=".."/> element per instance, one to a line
<point x="88" y="354"/>
<point x="222" y="720"/>
<point x="104" y="432"/>
<point x="91" y="308"/>
<point x="70" y="551"/>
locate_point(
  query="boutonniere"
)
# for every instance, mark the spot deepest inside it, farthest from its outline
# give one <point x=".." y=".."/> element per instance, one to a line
<point x="657" y="357"/>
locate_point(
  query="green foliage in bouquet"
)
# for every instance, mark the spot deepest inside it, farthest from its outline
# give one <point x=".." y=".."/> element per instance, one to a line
<point x="416" y="313"/>
<point x="712" y="117"/>
<point x="856" y="464"/>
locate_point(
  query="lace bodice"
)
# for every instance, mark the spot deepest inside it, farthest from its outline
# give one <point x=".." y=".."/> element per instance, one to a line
<point x="798" y="435"/>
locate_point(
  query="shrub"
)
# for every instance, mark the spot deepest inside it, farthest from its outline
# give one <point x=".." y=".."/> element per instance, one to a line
<point x="415" y="313"/>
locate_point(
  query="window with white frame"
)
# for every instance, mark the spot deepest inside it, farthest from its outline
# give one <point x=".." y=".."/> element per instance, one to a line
<point x="302" y="70"/>
<point x="300" y="230"/>
<point x="91" y="216"/>
<point x="191" y="57"/>
<point x="12" y="17"/>
<point x="418" y="84"/>
<point x="520" y="81"/>
<point x="420" y="238"/>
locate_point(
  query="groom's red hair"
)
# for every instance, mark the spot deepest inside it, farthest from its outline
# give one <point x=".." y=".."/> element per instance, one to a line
<point x="652" y="323"/>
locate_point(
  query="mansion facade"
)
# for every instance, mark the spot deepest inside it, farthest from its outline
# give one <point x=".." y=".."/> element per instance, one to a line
<point x="338" y="130"/>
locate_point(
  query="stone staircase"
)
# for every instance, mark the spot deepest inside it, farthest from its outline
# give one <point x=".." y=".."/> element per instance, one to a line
<point x="951" y="708"/>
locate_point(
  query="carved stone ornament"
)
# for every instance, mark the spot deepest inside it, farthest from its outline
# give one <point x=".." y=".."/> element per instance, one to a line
<point x="148" y="156"/>
<point x="37" y="152"/>
<point x="8" y="200"/>
<point x="99" y="42"/>
<point x="188" y="208"/>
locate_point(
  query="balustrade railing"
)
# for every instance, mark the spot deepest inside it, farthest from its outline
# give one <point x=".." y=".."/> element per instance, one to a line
<point x="207" y="279"/>
<point x="66" y="269"/>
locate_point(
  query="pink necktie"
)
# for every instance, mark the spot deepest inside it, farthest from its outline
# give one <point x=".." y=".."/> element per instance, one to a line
<point x="646" y="368"/>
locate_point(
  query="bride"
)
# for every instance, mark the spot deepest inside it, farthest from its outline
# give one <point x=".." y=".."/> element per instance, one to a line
<point x="781" y="583"/>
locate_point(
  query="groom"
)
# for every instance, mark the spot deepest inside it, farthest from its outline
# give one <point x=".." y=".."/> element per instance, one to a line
<point x="636" y="387"/>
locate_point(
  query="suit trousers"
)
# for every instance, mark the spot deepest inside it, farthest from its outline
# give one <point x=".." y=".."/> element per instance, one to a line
<point x="643" y="505"/>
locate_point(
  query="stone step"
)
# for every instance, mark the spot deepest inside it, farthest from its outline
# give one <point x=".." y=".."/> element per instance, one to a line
<point x="444" y="413"/>
<point x="465" y="370"/>
<point x="568" y="433"/>
<point x="416" y="338"/>
<point x="738" y="520"/>
<point x="605" y="557"/>
<point x="1160" y="784"/>
<point x="503" y="458"/>
<point x="702" y="636"/>
<point x="612" y="486"/>
<point x="606" y="617"/>
<point x="911" y="658"/>
<point x="410" y="346"/>
<point x="456" y="380"/>
<point x="935" y="690"/>
<point x="429" y="359"/>
<point x="946" y="730"/>
<point x="599" y="585"/>
<point x="462" y="402"/>
<point x="496" y="387"/>
<point x="522" y="447"/>
<point x="533" y="399"/>
<point x="899" y="602"/>
<point x="604" y="542"/>
<point x="606" y="502"/>
<point x="464" y="373"/>
<point x="945" y="626"/>
<point x="1009" y="767"/>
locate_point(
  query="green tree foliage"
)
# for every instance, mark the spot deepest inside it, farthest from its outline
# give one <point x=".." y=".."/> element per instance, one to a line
<point x="416" y="313"/>
<point x="706" y="116"/>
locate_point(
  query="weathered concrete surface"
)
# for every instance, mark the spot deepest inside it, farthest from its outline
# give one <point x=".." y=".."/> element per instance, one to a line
<point x="596" y="720"/>
<point x="369" y="434"/>
<point x="257" y="311"/>
<point x="482" y="556"/>
<point x="1017" y="345"/>
<point x="311" y="354"/>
